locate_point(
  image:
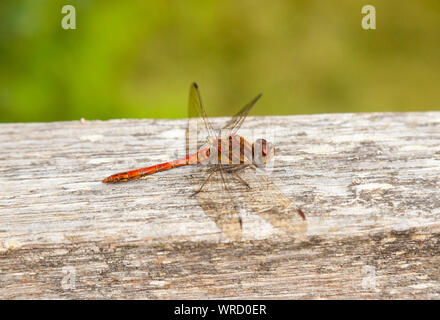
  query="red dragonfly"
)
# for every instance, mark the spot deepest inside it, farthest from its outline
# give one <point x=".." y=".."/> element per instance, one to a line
<point x="233" y="176"/>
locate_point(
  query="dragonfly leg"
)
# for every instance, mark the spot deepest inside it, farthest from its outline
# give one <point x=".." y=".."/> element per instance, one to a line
<point x="204" y="182"/>
<point x="241" y="179"/>
<point x="221" y="170"/>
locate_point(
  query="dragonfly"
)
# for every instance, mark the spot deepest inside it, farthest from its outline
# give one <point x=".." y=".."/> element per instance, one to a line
<point x="233" y="175"/>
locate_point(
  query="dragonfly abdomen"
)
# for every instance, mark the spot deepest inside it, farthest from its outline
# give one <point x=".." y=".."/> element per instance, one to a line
<point x="139" y="173"/>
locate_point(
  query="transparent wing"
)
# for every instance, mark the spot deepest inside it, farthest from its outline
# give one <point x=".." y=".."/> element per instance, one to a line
<point x="237" y="120"/>
<point x="199" y="129"/>
<point x="240" y="187"/>
<point x="220" y="206"/>
<point x="267" y="201"/>
<point x="214" y="199"/>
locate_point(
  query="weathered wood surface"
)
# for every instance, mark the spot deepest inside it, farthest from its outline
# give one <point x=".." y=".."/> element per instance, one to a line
<point x="368" y="184"/>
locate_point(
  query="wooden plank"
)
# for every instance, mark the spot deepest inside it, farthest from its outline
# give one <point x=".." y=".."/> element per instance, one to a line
<point x="368" y="184"/>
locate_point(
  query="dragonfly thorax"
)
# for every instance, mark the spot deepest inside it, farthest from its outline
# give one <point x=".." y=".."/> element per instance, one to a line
<point x="235" y="149"/>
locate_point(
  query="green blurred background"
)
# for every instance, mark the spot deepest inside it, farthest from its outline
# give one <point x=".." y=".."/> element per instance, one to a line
<point x="136" y="59"/>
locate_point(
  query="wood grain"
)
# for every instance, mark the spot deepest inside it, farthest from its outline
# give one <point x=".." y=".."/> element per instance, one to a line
<point x="368" y="184"/>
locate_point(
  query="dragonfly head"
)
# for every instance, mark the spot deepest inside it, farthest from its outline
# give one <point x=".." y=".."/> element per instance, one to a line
<point x="263" y="151"/>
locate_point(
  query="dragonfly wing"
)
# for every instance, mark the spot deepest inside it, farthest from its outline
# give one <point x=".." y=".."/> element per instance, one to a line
<point x="236" y="121"/>
<point x="199" y="129"/>
<point x="267" y="201"/>
<point x="214" y="201"/>
<point x="220" y="207"/>
<point x="232" y="188"/>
